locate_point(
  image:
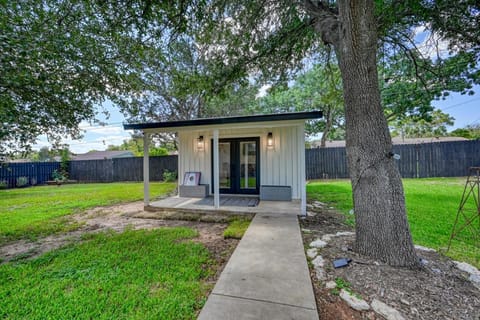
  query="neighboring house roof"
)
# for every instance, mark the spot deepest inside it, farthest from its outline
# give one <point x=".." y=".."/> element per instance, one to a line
<point x="18" y="160"/>
<point x="395" y="141"/>
<point x="101" y="155"/>
<point x="226" y="120"/>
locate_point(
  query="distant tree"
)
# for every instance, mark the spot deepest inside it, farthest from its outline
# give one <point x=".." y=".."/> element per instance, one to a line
<point x="44" y="154"/>
<point x="319" y="88"/>
<point x="461" y="132"/>
<point x="157" y="151"/>
<point x="469" y="132"/>
<point x="135" y="145"/>
<point x="418" y="127"/>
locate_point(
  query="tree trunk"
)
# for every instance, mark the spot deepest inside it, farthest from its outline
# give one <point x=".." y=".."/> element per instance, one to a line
<point x="327" y="113"/>
<point x="382" y="230"/>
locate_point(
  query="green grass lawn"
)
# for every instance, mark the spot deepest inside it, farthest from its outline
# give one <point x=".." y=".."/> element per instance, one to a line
<point x="236" y="228"/>
<point x="432" y="206"/>
<point x="35" y="211"/>
<point x="157" y="274"/>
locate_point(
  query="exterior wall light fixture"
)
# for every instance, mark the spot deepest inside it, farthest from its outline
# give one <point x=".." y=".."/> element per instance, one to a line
<point x="270" y="142"/>
<point x="200" y="144"/>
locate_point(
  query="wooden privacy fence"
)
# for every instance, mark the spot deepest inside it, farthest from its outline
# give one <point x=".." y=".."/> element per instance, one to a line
<point x="108" y="170"/>
<point x="425" y="160"/>
<point x="121" y="169"/>
<point x="35" y="172"/>
<point x="439" y="159"/>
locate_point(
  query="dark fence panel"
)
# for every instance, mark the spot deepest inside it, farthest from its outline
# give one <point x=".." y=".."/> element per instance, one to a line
<point x="158" y="165"/>
<point x="449" y="159"/>
<point x="121" y="169"/>
<point x="131" y="169"/>
<point x="437" y="159"/>
<point x="91" y="170"/>
<point x="108" y="170"/>
<point x="36" y="172"/>
<point x="326" y="163"/>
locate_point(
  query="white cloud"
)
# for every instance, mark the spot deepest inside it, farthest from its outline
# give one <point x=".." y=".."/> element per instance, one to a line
<point x="432" y="45"/>
<point x="113" y="139"/>
<point x="87" y="146"/>
<point x="101" y="140"/>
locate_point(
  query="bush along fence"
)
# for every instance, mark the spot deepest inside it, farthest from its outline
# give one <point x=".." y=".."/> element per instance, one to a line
<point x="108" y="170"/>
<point x="425" y="160"/>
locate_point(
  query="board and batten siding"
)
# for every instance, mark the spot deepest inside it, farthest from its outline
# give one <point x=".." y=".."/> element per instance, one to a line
<point x="284" y="165"/>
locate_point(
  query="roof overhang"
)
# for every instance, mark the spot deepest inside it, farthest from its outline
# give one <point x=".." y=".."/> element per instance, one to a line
<point x="238" y="121"/>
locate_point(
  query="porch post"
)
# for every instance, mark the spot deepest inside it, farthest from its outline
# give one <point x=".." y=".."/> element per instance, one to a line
<point x="216" y="171"/>
<point x="303" y="185"/>
<point x="146" y="171"/>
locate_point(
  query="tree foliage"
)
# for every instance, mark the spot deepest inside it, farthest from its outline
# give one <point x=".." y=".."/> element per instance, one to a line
<point x="469" y="132"/>
<point x="417" y="127"/>
<point x="62" y="59"/>
<point x="319" y="88"/>
<point x="135" y="145"/>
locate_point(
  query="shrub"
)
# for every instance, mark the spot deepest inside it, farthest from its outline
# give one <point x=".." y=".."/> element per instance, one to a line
<point x="169" y="176"/>
<point x="58" y="176"/>
<point x="65" y="158"/>
<point x="22" y="181"/>
<point x="3" y="184"/>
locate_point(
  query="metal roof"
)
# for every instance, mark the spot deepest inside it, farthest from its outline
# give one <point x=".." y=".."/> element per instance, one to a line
<point x="226" y="120"/>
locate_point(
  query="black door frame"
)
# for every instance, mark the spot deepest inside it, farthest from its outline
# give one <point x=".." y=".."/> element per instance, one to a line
<point x="235" y="166"/>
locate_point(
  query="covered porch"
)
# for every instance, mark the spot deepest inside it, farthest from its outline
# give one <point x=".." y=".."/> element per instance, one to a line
<point x="261" y="156"/>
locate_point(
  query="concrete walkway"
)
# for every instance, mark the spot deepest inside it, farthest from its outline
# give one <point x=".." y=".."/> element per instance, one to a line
<point x="267" y="276"/>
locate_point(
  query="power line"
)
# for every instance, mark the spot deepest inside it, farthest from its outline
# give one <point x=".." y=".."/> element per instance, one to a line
<point x="474" y="121"/>
<point x="459" y="104"/>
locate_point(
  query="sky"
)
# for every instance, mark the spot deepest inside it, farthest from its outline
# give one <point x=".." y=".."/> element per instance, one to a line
<point x="465" y="109"/>
<point x="96" y="137"/>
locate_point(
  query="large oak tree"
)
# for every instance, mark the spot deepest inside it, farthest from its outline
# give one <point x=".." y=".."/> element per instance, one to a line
<point x="270" y="37"/>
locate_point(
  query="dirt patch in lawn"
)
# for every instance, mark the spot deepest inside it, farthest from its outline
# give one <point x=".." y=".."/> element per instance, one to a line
<point x="118" y="218"/>
<point x="438" y="291"/>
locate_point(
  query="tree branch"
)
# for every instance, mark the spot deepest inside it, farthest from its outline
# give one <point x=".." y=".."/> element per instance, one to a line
<point x="325" y="21"/>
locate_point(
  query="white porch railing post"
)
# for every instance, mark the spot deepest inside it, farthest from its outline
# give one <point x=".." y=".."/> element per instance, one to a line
<point x="146" y="171"/>
<point x="216" y="171"/>
<point x="303" y="182"/>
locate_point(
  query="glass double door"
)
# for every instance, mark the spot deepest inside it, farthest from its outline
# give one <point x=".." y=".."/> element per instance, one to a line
<point x="239" y="165"/>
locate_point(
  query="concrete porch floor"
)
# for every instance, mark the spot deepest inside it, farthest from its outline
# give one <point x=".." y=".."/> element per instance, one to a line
<point x="177" y="203"/>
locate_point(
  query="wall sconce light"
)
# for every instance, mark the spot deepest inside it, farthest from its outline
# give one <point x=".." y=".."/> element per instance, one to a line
<point x="200" y="144"/>
<point x="270" y="142"/>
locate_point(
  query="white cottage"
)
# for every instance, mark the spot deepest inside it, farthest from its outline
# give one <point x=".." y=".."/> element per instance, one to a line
<point x="261" y="155"/>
